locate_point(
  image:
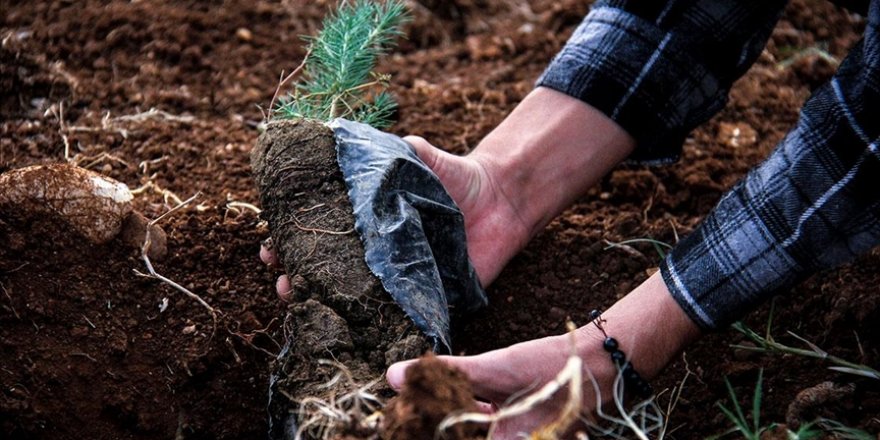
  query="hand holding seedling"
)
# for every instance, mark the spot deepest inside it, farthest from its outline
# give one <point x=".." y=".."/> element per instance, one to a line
<point x="549" y="151"/>
<point x="763" y="237"/>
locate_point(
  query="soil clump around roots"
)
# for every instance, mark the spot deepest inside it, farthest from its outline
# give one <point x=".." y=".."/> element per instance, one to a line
<point x="341" y="310"/>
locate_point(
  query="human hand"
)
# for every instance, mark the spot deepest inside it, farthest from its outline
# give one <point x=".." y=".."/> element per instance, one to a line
<point x="541" y="158"/>
<point x="495" y="232"/>
<point x="498" y="376"/>
<point x="648" y="324"/>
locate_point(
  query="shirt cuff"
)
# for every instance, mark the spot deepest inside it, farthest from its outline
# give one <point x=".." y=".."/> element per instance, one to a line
<point x="641" y="77"/>
<point x="728" y="266"/>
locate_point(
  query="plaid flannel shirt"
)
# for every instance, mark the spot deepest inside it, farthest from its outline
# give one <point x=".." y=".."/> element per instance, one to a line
<point x="661" y="68"/>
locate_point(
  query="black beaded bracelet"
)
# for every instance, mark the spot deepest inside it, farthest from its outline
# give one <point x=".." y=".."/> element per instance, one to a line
<point x="631" y="378"/>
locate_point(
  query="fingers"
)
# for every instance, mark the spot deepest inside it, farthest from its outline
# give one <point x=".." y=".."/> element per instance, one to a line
<point x="476" y="368"/>
<point x="427" y="152"/>
<point x="397" y="373"/>
<point x="486" y="407"/>
<point x="282" y="287"/>
<point x="269" y="256"/>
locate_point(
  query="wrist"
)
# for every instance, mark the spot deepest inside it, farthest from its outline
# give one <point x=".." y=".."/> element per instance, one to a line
<point x="649" y="327"/>
<point x="548" y="152"/>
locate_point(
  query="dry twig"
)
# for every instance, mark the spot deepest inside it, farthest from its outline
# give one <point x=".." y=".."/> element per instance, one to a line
<point x="145" y="250"/>
<point x="166" y="194"/>
<point x="283" y="82"/>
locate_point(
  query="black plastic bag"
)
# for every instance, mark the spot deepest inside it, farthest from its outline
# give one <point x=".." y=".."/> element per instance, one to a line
<point x="413" y="233"/>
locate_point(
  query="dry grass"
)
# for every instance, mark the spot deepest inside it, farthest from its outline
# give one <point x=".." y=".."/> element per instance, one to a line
<point x="324" y="418"/>
<point x="642" y="420"/>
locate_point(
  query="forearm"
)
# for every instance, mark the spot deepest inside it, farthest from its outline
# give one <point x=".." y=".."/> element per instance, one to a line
<point x="648" y="324"/>
<point x="548" y="152"/>
<point x="661" y="68"/>
<point x="812" y="205"/>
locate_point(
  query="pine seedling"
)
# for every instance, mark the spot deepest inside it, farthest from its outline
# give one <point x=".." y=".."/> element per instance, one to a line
<point x="339" y="80"/>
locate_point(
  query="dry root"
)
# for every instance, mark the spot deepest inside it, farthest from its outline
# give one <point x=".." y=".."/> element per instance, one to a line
<point x="356" y="410"/>
<point x="571" y="376"/>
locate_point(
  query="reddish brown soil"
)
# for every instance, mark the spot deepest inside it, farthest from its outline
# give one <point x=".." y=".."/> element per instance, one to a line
<point x="85" y="351"/>
<point x="431" y="391"/>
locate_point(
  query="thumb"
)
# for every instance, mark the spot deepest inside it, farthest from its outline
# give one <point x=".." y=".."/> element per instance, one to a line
<point x="396" y="373"/>
<point x="427" y="152"/>
<point x="475" y="368"/>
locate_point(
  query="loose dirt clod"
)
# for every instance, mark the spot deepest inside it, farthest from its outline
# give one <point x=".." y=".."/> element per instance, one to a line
<point x="343" y="312"/>
<point x="432" y="391"/>
<point x="63" y="200"/>
<point x="819" y="400"/>
<point x="90" y="204"/>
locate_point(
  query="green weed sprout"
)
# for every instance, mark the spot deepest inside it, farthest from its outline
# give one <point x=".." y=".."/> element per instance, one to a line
<point x="843" y="432"/>
<point x="754" y="430"/>
<point x="338" y="71"/>
<point x="766" y="344"/>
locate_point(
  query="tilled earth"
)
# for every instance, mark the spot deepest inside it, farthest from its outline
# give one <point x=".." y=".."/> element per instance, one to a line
<point x="166" y="97"/>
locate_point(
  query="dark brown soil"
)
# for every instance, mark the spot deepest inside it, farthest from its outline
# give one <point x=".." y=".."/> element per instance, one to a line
<point x="341" y="311"/>
<point x="85" y="351"/>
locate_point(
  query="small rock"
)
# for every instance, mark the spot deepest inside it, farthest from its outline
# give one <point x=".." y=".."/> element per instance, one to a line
<point x="244" y="34"/>
<point x="134" y="232"/>
<point x="737" y="134"/>
<point x="188" y="330"/>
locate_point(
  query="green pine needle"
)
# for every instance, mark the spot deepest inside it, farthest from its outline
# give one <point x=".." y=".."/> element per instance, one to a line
<point x="338" y="77"/>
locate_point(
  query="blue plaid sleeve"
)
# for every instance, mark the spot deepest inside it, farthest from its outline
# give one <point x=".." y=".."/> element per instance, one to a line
<point x="813" y="204"/>
<point x="658" y="68"/>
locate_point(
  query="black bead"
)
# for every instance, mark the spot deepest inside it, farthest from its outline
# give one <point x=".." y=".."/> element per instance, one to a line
<point x="595" y="314"/>
<point x="630" y="374"/>
<point x="618" y="357"/>
<point x="610" y="344"/>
